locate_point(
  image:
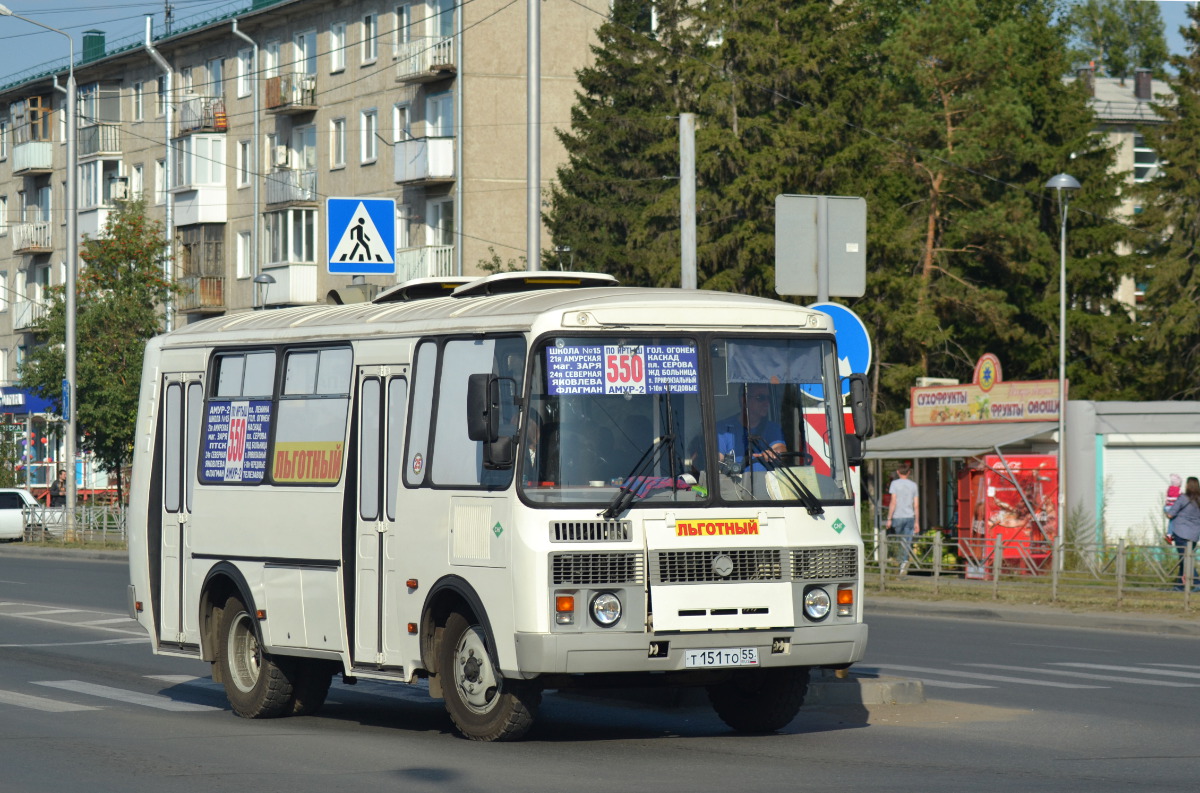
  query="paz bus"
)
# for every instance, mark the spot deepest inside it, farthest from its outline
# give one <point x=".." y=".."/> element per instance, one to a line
<point x="499" y="486"/>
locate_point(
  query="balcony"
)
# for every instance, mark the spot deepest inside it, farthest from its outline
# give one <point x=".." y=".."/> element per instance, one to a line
<point x="289" y="94"/>
<point x="289" y="186"/>
<point x="27" y="314"/>
<point x="202" y="293"/>
<point x="32" y="237"/>
<point x="99" y="139"/>
<point x="425" y="160"/>
<point x="427" y="261"/>
<point x="295" y="284"/>
<point x="34" y="156"/>
<point x="201" y="114"/>
<point x="425" y="59"/>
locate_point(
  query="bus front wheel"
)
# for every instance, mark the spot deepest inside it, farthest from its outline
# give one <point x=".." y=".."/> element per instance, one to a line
<point x="760" y="700"/>
<point x="484" y="705"/>
<point x="256" y="685"/>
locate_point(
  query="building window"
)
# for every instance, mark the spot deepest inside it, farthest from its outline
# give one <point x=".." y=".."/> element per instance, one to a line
<point x="185" y="80"/>
<point x="403" y="219"/>
<point x="291" y="236"/>
<point x="137" y="182"/>
<point x="370" y="39"/>
<point x="442" y="23"/>
<point x="403" y="33"/>
<point x="96" y="179"/>
<point x="271" y="59"/>
<point x="337" y="46"/>
<point x="160" y="97"/>
<point x="306" y="52"/>
<point x="245" y="72"/>
<point x="439" y="116"/>
<point x="199" y="160"/>
<point x="3" y="138"/>
<point x="1145" y="160"/>
<point x="3" y="214"/>
<point x="439" y="216"/>
<point x="139" y="101"/>
<point x="370" y="143"/>
<point x="243" y="163"/>
<point x="244" y="249"/>
<point x="4" y="291"/>
<point x="216" y="77"/>
<point x="160" y="181"/>
<point x="337" y="143"/>
<point x="400" y="122"/>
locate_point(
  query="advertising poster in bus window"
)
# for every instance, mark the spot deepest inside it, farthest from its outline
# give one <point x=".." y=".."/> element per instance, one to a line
<point x="235" y="440"/>
<point x="623" y="369"/>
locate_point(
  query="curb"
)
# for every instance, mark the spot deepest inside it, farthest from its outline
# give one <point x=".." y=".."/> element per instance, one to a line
<point x="827" y="688"/>
<point x="15" y="549"/>
<point x="1034" y="615"/>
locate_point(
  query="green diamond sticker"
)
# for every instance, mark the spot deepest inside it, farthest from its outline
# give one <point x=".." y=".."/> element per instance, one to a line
<point x="498" y="529"/>
<point x="837" y="525"/>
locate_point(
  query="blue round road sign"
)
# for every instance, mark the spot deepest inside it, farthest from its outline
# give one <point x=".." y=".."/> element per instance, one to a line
<point x="853" y="343"/>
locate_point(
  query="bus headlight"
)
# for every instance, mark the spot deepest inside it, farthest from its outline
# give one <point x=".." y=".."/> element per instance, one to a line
<point x="606" y="609"/>
<point x="816" y="603"/>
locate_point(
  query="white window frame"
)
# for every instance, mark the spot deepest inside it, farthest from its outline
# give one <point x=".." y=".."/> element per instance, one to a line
<point x="439" y="115"/>
<point x="435" y="228"/>
<point x="4" y="292"/>
<point x="245" y="248"/>
<point x="403" y="32"/>
<point x="304" y="44"/>
<point x="368" y="143"/>
<point x="337" y="47"/>
<point x="370" y="38"/>
<point x="3" y="215"/>
<point x="245" y="69"/>
<point x="199" y="162"/>
<point x="292" y="220"/>
<point x="186" y="84"/>
<point x="139" y="101"/>
<point x="216" y="76"/>
<point x="4" y="124"/>
<point x="401" y="122"/>
<point x="243" y="163"/>
<point x="137" y="181"/>
<point x="270" y="53"/>
<point x="337" y="143"/>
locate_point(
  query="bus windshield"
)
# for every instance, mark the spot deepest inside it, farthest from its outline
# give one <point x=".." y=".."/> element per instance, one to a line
<point x="621" y="421"/>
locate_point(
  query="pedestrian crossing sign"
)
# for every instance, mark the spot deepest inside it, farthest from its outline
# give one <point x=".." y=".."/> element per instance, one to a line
<point x="361" y="234"/>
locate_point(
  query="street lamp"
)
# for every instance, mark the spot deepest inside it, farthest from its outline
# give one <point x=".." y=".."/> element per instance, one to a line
<point x="1064" y="184"/>
<point x="70" y="407"/>
<point x="262" y="283"/>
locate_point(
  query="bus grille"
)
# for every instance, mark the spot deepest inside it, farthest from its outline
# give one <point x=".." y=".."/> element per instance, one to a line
<point x="590" y="530"/>
<point x="821" y="564"/>
<point x="595" y="569"/>
<point x="696" y="567"/>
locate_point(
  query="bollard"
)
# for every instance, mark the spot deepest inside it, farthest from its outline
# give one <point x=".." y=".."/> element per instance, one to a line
<point x="1189" y="573"/>
<point x="937" y="562"/>
<point x="997" y="549"/>
<point x="1120" y="570"/>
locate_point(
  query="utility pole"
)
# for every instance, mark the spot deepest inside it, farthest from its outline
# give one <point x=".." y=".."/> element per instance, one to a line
<point x="687" y="200"/>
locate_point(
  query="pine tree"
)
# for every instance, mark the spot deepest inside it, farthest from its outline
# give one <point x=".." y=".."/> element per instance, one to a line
<point x="1172" y="244"/>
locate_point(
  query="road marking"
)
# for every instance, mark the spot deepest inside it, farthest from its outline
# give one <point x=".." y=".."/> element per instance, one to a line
<point x="113" y="621"/>
<point x="1178" y="666"/>
<point x="45" y="611"/>
<point x="122" y="695"/>
<point x="981" y="676"/>
<point x="80" y="644"/>
<point x="927" y="681"/>
<point x="32" y="617"/>
<point x="1138" y="669"/>
<point x="40" y="703"/>
<point x="1086" y="676"/>
<point x="206" y="683"/>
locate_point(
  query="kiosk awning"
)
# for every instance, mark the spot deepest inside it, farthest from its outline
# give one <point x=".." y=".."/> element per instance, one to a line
<point x="962" y="440"/>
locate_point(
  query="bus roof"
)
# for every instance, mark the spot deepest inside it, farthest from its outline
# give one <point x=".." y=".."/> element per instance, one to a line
<point x="585" y="308"/>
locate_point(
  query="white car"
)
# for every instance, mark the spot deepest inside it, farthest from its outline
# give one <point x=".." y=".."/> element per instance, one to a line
<point x="13" y="504"/>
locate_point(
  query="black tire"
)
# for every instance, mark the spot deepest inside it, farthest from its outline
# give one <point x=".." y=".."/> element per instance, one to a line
<point x="310" y="685"/>
<point x="483" y="705"/>
<point x="760" y="700"/>
<point x="257" y="686"/>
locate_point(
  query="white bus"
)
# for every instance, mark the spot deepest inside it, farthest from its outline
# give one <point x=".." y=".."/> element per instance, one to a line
<point x="522" y="482"/>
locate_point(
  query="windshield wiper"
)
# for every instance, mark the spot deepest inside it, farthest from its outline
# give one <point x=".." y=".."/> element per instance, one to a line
<point x="627" y="492"/>
<point x="807" y="498"/>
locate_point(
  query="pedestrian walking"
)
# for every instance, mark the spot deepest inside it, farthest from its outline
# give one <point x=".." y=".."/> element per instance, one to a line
<point x="903" y="513"/>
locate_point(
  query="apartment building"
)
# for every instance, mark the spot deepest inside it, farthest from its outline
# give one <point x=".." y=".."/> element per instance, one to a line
<point x="235" y="130"/>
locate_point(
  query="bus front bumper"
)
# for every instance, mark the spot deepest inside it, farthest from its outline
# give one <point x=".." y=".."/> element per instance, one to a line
<point x="593" y="652"/>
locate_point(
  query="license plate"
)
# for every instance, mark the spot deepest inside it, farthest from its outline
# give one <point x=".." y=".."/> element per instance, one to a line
<point x="732" y="656"/>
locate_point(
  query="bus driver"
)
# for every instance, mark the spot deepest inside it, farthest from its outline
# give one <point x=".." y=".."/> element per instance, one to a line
<point x="751" y="435"/>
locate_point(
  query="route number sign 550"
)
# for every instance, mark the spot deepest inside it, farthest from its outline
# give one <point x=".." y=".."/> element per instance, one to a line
<point x="624" y="370"/>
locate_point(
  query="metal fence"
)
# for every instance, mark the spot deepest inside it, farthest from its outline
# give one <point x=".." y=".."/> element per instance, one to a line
<point x="94" y="525"/>
<point x="1121" y="573"/>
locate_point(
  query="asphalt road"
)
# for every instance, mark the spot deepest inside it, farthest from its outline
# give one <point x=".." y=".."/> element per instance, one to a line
<point x="1013" y="706"/>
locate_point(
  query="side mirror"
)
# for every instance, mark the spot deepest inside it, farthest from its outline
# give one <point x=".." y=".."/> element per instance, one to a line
<point x="491" y="412"/>
<point x="854" y="450"/>
<point x="860" y="406"/>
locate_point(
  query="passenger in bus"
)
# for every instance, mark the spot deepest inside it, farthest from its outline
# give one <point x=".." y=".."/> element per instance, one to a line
<point x="749" y="438"/>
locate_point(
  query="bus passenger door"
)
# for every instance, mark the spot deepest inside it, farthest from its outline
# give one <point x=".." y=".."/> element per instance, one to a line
<point x="183" y="401"/>
<point x="382" y="401"/>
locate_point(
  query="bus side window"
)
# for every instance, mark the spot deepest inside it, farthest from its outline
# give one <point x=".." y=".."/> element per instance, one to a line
<point x="397" y="398"/>
<point x="173" y="404"/>
<point x="368" y="456"/>
<point x="419" y="413"/>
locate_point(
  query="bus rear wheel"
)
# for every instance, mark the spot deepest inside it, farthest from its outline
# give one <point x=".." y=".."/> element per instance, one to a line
<point x="760" y="700"/>
<point x="256" y="685"/>
<point x="484" y="705"/>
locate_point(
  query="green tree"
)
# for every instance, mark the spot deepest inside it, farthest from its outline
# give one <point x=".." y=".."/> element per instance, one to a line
<point x="1119" y="36"/>
<point x="120" y="288"/>
<point x="1172" y="243"/>
<point x="612" y="203"/>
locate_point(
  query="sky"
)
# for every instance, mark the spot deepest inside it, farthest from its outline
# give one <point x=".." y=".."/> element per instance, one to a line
<point x="24" y="47"/>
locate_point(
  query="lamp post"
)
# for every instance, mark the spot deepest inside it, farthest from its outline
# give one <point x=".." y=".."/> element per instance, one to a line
<point x="70" y="407"/>
<point x="1063" y="184"/>
<point x="262" y="283"/>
